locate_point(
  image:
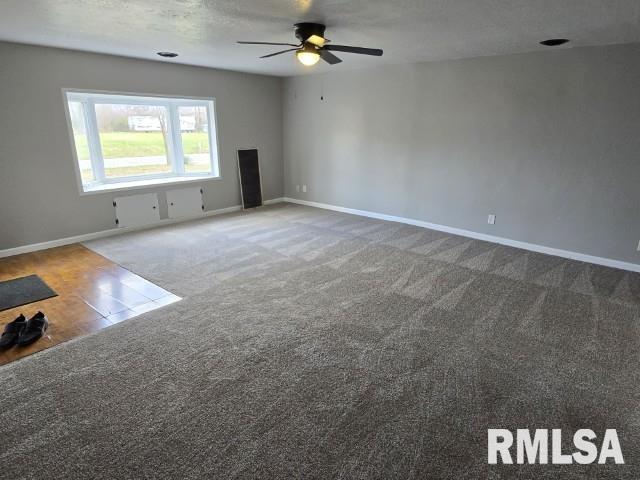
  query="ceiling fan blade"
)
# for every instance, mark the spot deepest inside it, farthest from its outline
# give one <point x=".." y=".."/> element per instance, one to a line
<point x="329" y="57"/>
<point x="278" y="53"/>
<point x="267" y="43"/>
<point x="362" y="51"/>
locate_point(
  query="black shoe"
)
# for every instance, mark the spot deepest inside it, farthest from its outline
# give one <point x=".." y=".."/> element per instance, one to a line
<point x="12" y="331"/>
<point x="35" y="328"/>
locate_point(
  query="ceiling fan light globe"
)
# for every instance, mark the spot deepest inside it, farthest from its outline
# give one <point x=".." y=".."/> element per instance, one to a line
<point x="307" y="57"/>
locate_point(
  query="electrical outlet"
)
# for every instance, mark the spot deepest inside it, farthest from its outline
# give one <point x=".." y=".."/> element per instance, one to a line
<point x="297" y="188"/>
<point x="491" y="220"/>
<point x="304" y="188"/>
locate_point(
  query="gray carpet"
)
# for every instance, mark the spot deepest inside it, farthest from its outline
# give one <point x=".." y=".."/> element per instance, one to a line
<point x="315" y="344"/>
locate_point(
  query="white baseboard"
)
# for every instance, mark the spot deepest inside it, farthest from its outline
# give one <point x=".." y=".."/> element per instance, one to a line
<point x="607" y="262"/>
<point x="117" y="231"/>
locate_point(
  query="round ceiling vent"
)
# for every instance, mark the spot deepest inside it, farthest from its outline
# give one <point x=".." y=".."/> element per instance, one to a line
<point x="554" y="42"/>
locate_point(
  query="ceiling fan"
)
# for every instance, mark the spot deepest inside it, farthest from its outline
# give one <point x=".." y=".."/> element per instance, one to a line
<point x="313" y="46"/>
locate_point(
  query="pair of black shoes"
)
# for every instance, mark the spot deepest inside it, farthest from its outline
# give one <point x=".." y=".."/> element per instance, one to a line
<point x="22" y="332"/>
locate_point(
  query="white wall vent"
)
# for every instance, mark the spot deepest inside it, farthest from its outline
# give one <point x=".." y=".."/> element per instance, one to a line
<point x="137" y="210"/>
<point x="185" y="202"/>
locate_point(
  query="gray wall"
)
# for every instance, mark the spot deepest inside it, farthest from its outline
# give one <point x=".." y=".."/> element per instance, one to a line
<point x="549" y="142"/>
<point x="39" y="197"/>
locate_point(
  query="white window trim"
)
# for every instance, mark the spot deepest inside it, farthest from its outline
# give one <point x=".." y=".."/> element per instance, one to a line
<point x="89" y="98"/>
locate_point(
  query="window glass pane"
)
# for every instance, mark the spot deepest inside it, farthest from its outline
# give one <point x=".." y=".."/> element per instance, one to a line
<point x="80" y="139"/>
<point x="134" y="139"/>
<point x="194" y="130"/>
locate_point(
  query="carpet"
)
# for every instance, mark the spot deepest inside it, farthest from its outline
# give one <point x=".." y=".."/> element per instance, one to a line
<point x="316" y="344"/>
<point x="24" y="290"/>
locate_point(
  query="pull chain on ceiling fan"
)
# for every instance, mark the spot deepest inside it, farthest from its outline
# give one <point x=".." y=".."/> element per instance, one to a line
<point x="313" y="46"/>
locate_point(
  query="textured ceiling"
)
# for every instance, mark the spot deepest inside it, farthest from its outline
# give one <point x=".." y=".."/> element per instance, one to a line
<point x="204" y="32"/>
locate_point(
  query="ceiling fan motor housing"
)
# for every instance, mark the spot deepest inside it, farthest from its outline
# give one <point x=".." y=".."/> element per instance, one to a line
<point x="305" y="30"/>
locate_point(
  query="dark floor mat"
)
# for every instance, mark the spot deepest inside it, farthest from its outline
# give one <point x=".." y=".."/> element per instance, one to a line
<point x="21" y="291"/>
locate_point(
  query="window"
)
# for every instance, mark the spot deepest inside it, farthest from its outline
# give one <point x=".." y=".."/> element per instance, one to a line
<point x="124" y="140"/>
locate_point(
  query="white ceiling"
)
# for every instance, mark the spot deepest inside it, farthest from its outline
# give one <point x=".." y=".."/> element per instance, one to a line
<point x="204" y="32"/>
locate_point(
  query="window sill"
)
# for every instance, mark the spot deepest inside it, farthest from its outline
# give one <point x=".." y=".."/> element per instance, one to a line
<point x="138" y="184"/>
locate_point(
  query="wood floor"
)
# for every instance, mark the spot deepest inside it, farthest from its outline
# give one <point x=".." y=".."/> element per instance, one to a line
<point x="93" y="293"/>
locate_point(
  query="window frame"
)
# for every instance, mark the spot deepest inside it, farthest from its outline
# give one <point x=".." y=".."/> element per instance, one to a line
<point x="90" y="98"/>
